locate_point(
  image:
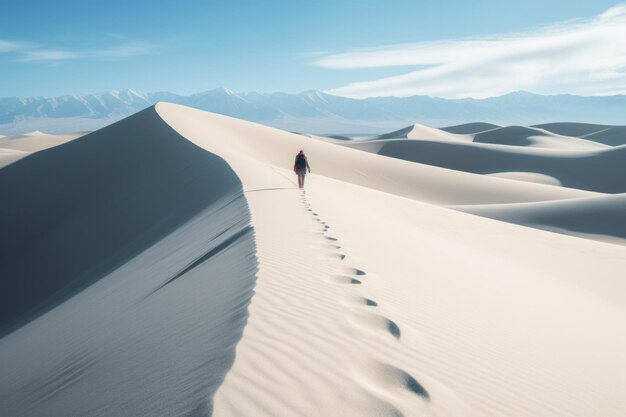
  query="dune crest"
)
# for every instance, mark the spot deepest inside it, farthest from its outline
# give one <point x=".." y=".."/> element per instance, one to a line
<point x="128" y="263"/>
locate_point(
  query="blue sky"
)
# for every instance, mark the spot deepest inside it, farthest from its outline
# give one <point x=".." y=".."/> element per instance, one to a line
<point x="353" y="48"/>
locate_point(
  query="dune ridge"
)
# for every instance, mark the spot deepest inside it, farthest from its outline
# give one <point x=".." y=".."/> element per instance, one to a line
<point x="469" y="128"/>
<point x="422" y="182"/>
<point x="126" y="279"/>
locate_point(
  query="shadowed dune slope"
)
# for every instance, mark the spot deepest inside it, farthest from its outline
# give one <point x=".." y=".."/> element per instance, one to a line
<point x="586" y="217"/>
<point x="532" y="136"/>
<point x="128" y="261"/>
<point x="606" y="134"/>
<point x="599" y="171"/>
<point x="74" y="212"/>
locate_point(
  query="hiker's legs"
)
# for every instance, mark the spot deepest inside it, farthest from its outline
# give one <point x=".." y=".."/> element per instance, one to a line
<point x="303" y="177"/>
<point x="300" y="180"/>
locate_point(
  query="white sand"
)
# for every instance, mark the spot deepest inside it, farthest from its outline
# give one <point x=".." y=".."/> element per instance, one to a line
<point x="371" y="298"/>
<point x="421" y="132"/>
<point x="470" y="128"/>
<point x="14" y="148"/>
<point x="599" y="170"/>
<point x="8" y="156"/>
<point x="529" y="177"/>
<point x="533" y="137"/>
<point x="36" y="141"/>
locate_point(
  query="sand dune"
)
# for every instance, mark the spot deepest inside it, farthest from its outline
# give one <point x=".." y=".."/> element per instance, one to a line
<point x="36" y="141"/>
<point x="528" y="177"/>
<point x="14" y="148"/>
<point x="422" y="132"/>
<point x="599" y="171"/>
<point x="254" y="142"/>
<point x="8" y="156"/>
<point x="600" y="218"/>
<point x="106" y="246"/>
<point x="379" y="335"/>
<point x="494" y="134"/>
<point x="372" y="297"/>
<point x="470" y="128"/>
<point x="606" y="134"/>
<point x="533" y="136"/>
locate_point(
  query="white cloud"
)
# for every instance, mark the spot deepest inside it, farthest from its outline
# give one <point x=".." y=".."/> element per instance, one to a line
<point x="117" y="51"/>
<point x="585" y="57"/>
<point x="49" y="55"/>
<point x="125" y="50"/>
<point x="11" y="46"/>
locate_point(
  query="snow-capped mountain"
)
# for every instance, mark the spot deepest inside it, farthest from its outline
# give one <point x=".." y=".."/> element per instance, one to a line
<point x="112" y="103"/>
<point x="311" y="111"/>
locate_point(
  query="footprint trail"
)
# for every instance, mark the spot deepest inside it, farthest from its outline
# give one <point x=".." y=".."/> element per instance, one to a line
<point x="381" y="379"/>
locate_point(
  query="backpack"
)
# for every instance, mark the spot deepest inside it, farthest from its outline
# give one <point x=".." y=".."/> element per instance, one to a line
<point x="300" y="161"/>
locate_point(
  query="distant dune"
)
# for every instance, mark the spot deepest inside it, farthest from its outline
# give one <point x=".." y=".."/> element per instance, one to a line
<point x="528" y="136"/>
<point x="469" y="128"/>
<point x="421" y="132"/>
<point x="168" y="265"/>
<point x="512" y="152"/>
<point x="609" y="135"/>
<point x="36" y="141"/>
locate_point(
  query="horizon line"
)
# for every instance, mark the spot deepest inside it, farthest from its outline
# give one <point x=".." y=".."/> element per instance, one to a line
<point x="325" y="92"/>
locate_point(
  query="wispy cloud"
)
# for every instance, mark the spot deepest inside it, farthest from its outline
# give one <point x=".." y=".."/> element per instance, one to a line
<point x="48" y="55"/>
<point x="124" y="50"/>
<point x="579" y="57"/>
<point x="12" y="46"/>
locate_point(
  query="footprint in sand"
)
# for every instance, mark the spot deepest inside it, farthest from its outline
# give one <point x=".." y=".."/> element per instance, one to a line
<point x="340" y="279"/>
<point x="332" y="255"/>
<point x="375" y="323"/>
<point x="358" y="301"/>
<point x="390" y="379"/>
<point x="353" y="271"/>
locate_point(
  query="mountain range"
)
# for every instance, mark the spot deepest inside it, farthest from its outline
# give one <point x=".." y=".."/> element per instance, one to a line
<point x="311" y="111"/>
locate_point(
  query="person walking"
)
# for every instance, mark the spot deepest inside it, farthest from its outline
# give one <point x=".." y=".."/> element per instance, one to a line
<point x="300" y="167"/>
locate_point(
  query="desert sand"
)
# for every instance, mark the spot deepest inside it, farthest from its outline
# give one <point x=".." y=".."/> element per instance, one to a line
<point x="13" y="148"/>
<point x="168" y="265"/>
